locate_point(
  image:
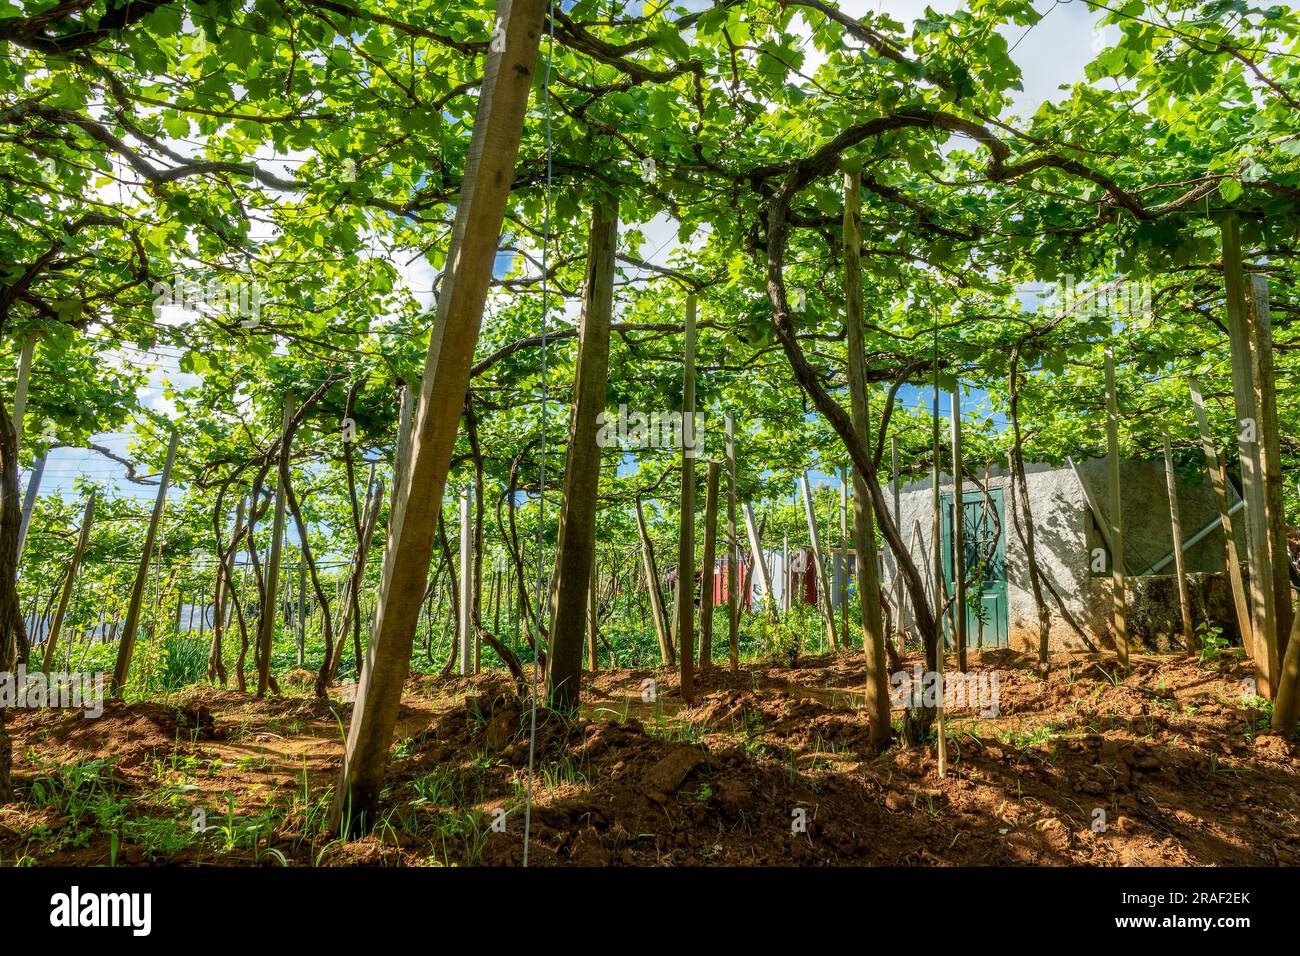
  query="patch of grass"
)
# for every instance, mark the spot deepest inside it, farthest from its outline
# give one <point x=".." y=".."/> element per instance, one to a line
<point x="468" y="828"/>
<point x="563" y="772"/>
<point x="675" y="731"/>
<point x="442" y="787"/>
<point x="1025" y="739"/>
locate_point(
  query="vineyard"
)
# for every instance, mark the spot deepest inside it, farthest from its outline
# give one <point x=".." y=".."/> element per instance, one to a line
<point x="778" y="433"/>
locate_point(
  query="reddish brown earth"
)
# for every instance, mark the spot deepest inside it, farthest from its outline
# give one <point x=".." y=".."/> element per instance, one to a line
<point x="1177" y="760"/>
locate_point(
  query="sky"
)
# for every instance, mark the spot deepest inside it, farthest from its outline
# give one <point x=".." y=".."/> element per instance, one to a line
<point x="1051" y="54"/>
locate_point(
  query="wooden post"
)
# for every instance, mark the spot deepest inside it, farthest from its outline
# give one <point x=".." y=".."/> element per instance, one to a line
<point x="20" y="410"/>
<point x="900" y="592"/>
<point x="1286" y="707"/>
<point x="1103" y="524"/>
<point x="270" y="605"/>
<point x="300" y="619"/>
<point x="29" y="500"/>
<point x="1263" y="603"/>
<point x="657" y="610"/>
<point x="402" y="451"/>
<point x="710" y="558"/>
<point x="823" y="579"/>
<point x="126" y="645"/>
<point x="787" y="575"/>
<point x="80" y="549"/>
<point x="841" y="559"/>
<point x="502" y="588"/>
<point x="1219" y="480"/>
<point x="401" y="461"/>
<point x="958" y="536"/>
<point x="1176" y="527"/>
<point x="936" y="530"/>
<point x="1118" y="605"/>
<point x="1261" y="353"/>
<point x="466" y="586"/>
<point x="864" y="531"/>
<point x="593" y="615"/>
<point x="759" y="565"/>
<point x="575" y="547"/>
<point x="686" y="515"/>
<point x="508" y="78"/>
<point x="203" y="612"/>
<point x="733" y="552"/>
<point x="21" y="385"/>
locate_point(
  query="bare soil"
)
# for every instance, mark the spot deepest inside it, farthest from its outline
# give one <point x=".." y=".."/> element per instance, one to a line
<point x="1169" y="765"/>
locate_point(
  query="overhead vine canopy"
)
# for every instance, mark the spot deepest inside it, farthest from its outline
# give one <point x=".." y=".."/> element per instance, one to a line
<point x="232" y="221"/>
<point x="315" y="150"/>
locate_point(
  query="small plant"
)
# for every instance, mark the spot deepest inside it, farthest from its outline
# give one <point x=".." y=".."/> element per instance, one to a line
<point x="781" y="635"/>
<point x="1212" y="642"/>
<point x="1024" y="739"/>
<point x="563" y="772"/>
<point x="437" y="788"/>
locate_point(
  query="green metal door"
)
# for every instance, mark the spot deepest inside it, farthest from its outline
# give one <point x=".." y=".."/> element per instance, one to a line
<point x="986" y="597"/>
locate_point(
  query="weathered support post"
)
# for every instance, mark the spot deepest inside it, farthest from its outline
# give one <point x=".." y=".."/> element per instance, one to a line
<point x="203" y="612"/>
<point x="1286" y="706"/>
<point x="1103" y="524"/>
<point x="1219" y="480"/>
<point x="787" y="575"/>
<point x="80" y="549"/>
<point x="958" y="537"/>
<point x="733" y="552"/>
<point x="593" y="615"/>
<point x="300" y="619"/>
<point x="29" y="499"/>
<point x="939" y="594"/>
<point x="657" y="610"/>
<point x="502" y="588"/>
<point x="864" y="531"/>
<point x="759" y="565"/>
<point x="710" y="556"/>
<point x="686" y="516"/>
<point x="20" y="386"/>
<point x="466" y="586"/>
<point x="126" y="646"/>
<point x="1270" y="457"/>
<point x="1263" y="606"/>
<point x="270" y="604"/>
<point x="1176" y="528"/>
<point x="480" y="210"/>
<point x="841" y="559"/>
<point x="575" y="547"/>
<point x="402" y="451"/>
<point x="819" y="565"/>
<point x="19" y="412"/>
<point x="1118" y="606"/>
<point x="900" y="592"/>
